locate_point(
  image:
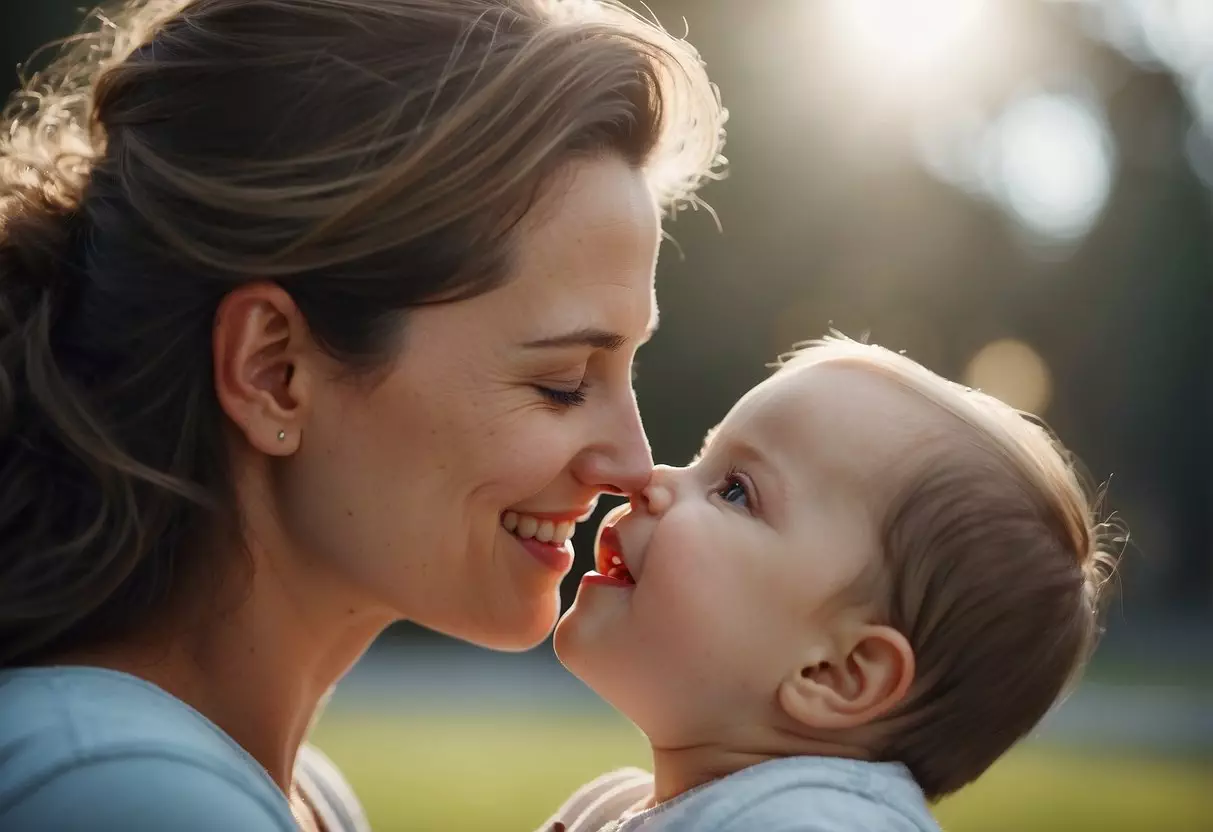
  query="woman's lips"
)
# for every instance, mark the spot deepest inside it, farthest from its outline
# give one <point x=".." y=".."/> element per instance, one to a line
<point x="546" y="536"/>
<point x="556" y="557"/>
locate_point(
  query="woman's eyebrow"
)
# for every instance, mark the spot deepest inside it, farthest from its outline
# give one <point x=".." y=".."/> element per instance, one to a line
<point x="585" y="337"/>
<point x="591" y="337"/>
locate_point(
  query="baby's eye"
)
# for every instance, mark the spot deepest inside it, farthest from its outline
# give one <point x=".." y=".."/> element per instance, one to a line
<point x="735" y="490"/>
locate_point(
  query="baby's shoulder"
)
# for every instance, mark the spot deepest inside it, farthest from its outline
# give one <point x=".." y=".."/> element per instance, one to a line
<point x="802" y="794"/>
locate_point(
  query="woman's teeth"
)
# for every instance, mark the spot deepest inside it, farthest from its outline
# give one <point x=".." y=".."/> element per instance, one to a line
<point x="545" y="531"/>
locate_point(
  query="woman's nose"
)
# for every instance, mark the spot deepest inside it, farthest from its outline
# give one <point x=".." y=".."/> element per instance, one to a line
<point x="623" y="462"/>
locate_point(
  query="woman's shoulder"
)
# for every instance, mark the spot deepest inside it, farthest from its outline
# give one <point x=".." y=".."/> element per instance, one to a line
<point x="601" y="801"/>
<point x="53" y="715"/>
<point x="78" y="743"/>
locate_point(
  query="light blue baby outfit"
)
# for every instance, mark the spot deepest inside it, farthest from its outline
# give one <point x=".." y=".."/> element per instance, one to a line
<point x="794" y="794"/>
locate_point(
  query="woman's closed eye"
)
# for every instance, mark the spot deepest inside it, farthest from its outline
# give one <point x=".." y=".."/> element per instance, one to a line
<point x="563" y="397"/>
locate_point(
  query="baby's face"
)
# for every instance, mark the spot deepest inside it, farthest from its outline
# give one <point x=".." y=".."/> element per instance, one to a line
<point x="741" y="561"/>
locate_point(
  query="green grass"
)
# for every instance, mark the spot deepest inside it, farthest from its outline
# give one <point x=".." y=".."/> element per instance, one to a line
<point x="439" y="771"/>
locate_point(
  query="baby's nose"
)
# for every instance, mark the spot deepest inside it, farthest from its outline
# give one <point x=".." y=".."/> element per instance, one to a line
<point x="658" y="495"/>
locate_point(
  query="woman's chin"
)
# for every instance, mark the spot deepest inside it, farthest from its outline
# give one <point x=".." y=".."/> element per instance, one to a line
<point x="517" y="631"/>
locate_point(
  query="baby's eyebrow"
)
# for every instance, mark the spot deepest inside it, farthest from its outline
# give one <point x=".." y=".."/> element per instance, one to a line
<point x="707" y="440"/>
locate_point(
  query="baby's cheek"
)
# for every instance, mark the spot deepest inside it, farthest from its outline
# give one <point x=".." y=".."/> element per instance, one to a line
<point x="693" y="606"/>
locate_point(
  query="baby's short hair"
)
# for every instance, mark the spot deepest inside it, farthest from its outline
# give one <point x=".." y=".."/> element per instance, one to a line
<point x="994" y="569"/>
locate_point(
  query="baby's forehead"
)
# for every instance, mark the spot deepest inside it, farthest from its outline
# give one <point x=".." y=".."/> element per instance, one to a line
<point x="840" y="416"/>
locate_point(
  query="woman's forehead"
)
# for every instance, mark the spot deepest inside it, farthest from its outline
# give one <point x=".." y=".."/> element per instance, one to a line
<point x="594" y="220"/>
<point x="586" y="260"/>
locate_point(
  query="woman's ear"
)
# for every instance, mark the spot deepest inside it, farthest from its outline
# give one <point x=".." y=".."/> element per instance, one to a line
<point x="261" y="350"/>
<point x="850" y="685"/>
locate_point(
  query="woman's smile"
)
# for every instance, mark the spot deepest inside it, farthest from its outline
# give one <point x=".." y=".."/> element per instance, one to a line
<point x="547" y="536"/>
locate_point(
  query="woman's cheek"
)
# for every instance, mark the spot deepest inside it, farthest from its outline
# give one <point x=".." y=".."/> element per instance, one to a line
<point x="519" y="459"/>
<point x="546" y="455"/>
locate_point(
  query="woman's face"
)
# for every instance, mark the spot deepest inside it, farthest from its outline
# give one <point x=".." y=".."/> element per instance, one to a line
<point x="505" y="410"/>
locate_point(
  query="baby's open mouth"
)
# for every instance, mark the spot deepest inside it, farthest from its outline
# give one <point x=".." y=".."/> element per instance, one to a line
<point x="608" y="558"/>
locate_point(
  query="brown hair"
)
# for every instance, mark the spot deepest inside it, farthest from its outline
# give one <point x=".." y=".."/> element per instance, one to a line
<point x="368" y="155"/>
<point x="994" y="568"/>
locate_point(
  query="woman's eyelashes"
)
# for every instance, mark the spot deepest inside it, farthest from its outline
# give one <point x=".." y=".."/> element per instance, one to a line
<point x="561" y="397"/>
<point x="565" y="397"/>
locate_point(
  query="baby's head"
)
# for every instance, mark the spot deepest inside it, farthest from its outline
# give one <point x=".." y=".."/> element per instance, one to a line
<point x="865" y="560"/>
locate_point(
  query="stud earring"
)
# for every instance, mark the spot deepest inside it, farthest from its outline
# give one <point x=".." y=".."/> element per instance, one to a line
<point x="281" y="436"/>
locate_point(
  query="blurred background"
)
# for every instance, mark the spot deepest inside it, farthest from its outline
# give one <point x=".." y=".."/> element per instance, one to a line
<point x="1016" y="193"/>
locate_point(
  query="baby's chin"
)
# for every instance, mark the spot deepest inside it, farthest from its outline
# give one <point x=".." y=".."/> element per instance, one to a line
<point x="571" y="640"/>
<point x="635" y="682"/>
<point x="594" y="651"/>
<point x="589" y="623"/>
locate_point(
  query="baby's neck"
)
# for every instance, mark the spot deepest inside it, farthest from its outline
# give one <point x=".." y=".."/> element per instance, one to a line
<point x="678" y="769"/>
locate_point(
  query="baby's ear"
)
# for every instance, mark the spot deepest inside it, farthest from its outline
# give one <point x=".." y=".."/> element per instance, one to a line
<point x="852" y="683"/>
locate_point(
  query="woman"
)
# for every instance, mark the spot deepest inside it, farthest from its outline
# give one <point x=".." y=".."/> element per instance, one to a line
<point x="315" y="315"/>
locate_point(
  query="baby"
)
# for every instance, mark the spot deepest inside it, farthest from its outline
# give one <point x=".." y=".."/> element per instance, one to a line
<point x="870" y="584"/>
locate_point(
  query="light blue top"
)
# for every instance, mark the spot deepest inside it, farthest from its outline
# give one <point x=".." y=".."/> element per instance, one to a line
<point x="91" y="749"/>
<point x="794" y="794"/>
